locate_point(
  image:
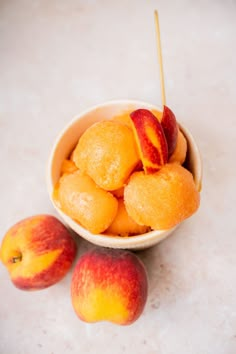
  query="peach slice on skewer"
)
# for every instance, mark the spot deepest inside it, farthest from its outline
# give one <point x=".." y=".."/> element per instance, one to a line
<point x="170" y="128"/>
<point x="150" y="139"/>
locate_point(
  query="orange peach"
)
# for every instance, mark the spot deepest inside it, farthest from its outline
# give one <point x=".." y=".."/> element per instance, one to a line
<point x="150" y="139"/>
<point x="163" y="199"/>
<point x="37" y="252"/>
<point x="107" y="152"/>
<point x="68" y="166"/>
<point x="123" y="224"/>
<point x="123" y="118"/>
<point x="81" y="199"/>
<point x="109" y="285"/>
<point x="119" y="193"/>
<point x="179" y="154"/>
<point x="157" y="114"/>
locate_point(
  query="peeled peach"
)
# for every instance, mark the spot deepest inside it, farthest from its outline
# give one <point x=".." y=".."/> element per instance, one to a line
<point x="119" y="193"/>
<point x="107" y="152"/>
<point x="123" y="118"/>
<point x="157" y="114"/>
<point x="68" y="166"/>
<point x="85" y="202"/>
<point x="109" y="285"/>
<point x="179" y="154"/>
<point x="163" y="199"/>
<point x="123" y="224"/>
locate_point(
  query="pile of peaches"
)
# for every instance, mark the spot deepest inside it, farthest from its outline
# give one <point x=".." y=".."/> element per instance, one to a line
<point x="124" y="177"/>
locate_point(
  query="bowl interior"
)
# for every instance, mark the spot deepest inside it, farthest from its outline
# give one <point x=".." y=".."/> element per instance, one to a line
<point x="66" y="142"/>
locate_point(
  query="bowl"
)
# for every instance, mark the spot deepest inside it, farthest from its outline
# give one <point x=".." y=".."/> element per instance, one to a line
<point x="67" y="140"/>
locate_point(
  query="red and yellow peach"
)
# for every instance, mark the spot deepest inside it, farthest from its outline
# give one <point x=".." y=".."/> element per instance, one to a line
<point x="37" y="252"/>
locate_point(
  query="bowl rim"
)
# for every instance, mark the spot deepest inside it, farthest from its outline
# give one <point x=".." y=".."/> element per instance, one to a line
<point x="144" y="240"/>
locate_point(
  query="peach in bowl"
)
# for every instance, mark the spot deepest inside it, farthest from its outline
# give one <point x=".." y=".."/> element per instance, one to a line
<point x="125" y="174"/>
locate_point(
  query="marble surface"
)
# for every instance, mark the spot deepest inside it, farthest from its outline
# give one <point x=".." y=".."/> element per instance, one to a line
<point x="59" y="57"/>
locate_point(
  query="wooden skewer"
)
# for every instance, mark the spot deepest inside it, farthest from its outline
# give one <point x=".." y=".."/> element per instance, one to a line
<point x="163" y="95"/>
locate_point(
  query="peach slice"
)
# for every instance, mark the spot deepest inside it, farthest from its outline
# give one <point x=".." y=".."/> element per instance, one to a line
<point x="150" y="139"/>
<point x="170" y="128"/>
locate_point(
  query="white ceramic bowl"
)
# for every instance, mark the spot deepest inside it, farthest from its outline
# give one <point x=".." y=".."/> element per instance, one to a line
<point x="67" y="140"/>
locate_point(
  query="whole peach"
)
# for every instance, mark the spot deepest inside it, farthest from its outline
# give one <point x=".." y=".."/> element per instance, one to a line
<point x="109" y="285"/>
<point x="38" y="252"/>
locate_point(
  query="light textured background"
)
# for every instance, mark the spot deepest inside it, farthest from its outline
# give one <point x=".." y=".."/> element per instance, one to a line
<point x="59" y="57"/>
